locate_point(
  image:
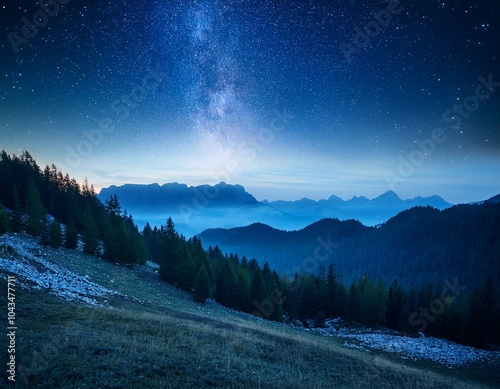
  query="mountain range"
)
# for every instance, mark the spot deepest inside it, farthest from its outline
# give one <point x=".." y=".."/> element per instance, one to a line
<point x="196" y="208"/>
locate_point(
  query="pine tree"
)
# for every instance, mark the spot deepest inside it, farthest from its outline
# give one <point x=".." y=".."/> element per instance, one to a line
<point x="490" y="311"/>
<point x="35" y="211"/>
<point x="45" y="233"/>
<point x="258" y="292"/>
<point x="4" y="220"/>
<point x="268" y="277"/>
<point x="202" y="287"/>
<point x="368" y="308"/>
<point x="141" y="250"/>
<point x="226" y="282"/>
<point x="241" y="296"/>
<point x="354" y="301"/>
<point x="395" y="307"/>
<point x="113" y="206"/>
<point x="55" y="234"/>
<point x="294" y="295"/>
<point x="90" y="232"/>
<point x="332" y="290"/>
<point x="112" y="247"/>
<point x="148" y="234"/>
<point x="169" y="253"/>
<point x="380" y="302"/>
<point x="481" y="316"/>
<point x="71" y="235"/>
<point x="185" y="269"/>
<point x="16" y="223"/>
<point x="319" y="320"/>
<point x="449" y="324"/>
<point x="277" y="298"/>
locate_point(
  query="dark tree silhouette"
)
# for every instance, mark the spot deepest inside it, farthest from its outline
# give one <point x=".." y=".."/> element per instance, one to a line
<point x="71" y="235"/>
<point x="202" y="286"/>
<point x="35" y="210"/>
<point x="90" y="232"/>
<point x="4" y="220"/>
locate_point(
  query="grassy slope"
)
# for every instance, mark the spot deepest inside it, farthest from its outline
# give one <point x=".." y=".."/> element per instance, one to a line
<point x="167" y="341"/>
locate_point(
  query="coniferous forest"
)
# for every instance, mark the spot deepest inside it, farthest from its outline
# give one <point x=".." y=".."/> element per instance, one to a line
<point x="48" y="204"/>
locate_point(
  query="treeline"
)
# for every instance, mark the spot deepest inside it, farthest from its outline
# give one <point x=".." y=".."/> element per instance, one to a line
<point x="446" y="310"/>
<point x="33" y="194"/>
<point x="233" y="282"/>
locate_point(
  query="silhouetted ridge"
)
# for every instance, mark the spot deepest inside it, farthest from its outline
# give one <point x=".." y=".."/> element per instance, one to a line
<point x="494" y="199"/>
<point x="417" y="246"/>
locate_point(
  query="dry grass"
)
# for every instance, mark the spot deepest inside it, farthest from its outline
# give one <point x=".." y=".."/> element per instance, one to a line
<point x="170" y="342"/>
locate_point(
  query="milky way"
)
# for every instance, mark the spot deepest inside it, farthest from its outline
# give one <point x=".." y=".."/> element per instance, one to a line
<point x="216" y="88"/>
<point x="359" y="89"/>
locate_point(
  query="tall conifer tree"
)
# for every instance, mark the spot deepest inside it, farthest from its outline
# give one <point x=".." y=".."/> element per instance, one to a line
<point x="90" y="232"/>
<point x="35" y="210"/>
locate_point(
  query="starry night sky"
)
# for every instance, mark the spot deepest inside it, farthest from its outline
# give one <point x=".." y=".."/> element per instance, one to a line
<point x="288" y="98"/>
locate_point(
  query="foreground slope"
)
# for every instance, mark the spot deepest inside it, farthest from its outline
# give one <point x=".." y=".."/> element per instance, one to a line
<point x="132" y="330"/>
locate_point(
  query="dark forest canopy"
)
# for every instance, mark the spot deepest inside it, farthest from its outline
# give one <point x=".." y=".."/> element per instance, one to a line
<point x="36" y="192"/>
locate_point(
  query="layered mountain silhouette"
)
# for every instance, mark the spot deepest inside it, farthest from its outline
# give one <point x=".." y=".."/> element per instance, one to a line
<point x="369" y="212"/>
<point x="196" y="208"/>
<point x="418" y="246"/>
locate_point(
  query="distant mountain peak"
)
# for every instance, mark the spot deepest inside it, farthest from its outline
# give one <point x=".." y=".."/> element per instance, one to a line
<point x="388" y="196"/>
<point x="359" y="198"/>
<point x="152" y="197"/>
<point x="335" y="198"/>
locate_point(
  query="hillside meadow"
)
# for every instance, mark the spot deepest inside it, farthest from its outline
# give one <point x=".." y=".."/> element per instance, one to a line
<point x="150" y="334"/>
